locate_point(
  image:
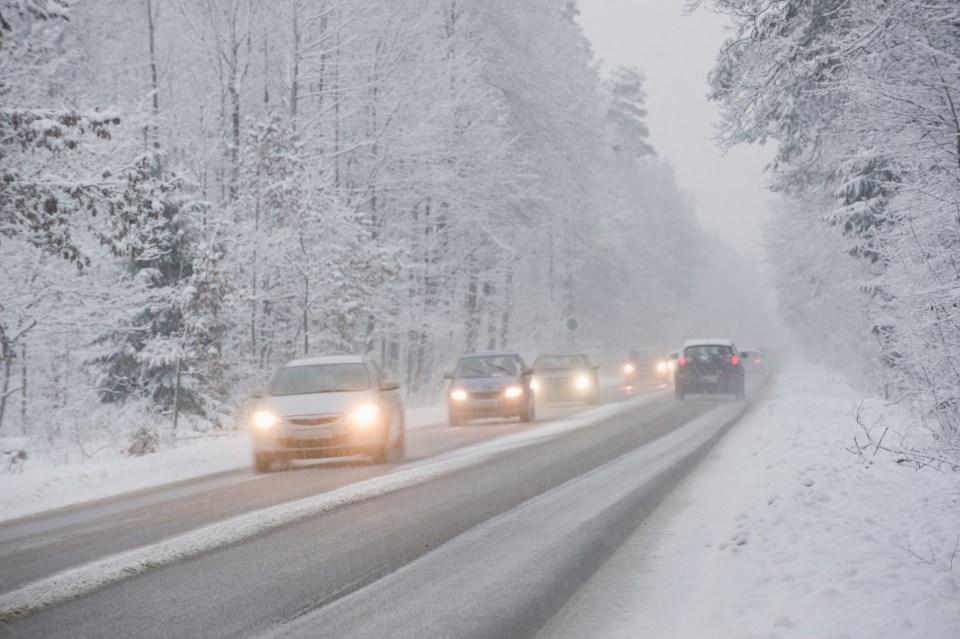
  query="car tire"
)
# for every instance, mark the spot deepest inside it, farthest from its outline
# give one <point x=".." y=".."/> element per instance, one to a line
<point x="399" y="450"/>
<point x="529" y="412"/>
<point x="741" y="391"/>
<point x="381" y="453"/>
<point x="455" y="420"/>
<point x="679" y="392"/>
<point x="263" y="462"/>
<point x="593" y="400"/>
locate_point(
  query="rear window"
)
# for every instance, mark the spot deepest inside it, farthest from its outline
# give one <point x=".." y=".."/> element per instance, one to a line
<point x="320" y="378"/>
<point x="706" y="351"/>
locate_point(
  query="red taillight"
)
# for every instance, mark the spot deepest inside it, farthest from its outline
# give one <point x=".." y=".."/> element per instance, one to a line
<point x="757" y="360"/>
<point x="682" y="361"/>
<point x="734" y="360"/>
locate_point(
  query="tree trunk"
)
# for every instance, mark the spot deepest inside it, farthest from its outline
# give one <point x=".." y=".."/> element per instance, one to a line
<point x="473" y="315"/>
<point x="23" y="387"/>
<point x="295" y="71"/>
<point x="176" y="401"/>
<point x="155" y="85"/>
<point x="7" y="359"/>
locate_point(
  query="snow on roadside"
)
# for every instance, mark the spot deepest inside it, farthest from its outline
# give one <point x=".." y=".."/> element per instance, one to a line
<point x="40" y="489"/>
<point x="782" y="532"/>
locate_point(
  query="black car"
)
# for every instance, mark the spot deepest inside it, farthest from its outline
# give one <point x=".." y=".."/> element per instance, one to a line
<point x="567" y="376"/>
<point x="490" y="384"/>
<point x="709" y="366"/>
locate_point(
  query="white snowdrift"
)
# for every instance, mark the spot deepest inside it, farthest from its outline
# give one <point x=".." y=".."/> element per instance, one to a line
<point x="782" y="532"/>
<point x="42" y="489"/>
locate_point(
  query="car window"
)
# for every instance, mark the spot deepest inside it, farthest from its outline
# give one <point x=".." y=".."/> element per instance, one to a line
<point x="320" y="378"/>
<point x="489" y="366"/>
<point x="559" y="362"/>
<point x="707" y="351"/>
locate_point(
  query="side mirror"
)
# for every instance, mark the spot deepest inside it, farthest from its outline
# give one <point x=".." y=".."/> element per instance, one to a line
<point x="674" y="356"/>
<point x="745" y="355"/>
<point x="448" y="375"/>
<point x="528" y="371"/>
<point x="258" y="394"/>
<point x="389" y="385"/>
<point x="595" y="366"/>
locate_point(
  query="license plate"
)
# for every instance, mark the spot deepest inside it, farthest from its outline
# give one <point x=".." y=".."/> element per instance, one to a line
<point x="710" y="379"/>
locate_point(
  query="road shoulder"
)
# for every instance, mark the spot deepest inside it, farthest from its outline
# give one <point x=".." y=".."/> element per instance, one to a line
<point x="783" y="532"/>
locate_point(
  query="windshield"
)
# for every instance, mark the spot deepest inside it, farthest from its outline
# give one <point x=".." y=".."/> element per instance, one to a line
<point x="320" y="378"/>
<point x="488" y="366"/>
<point x="645" y="355"/>
<point x="558" y="362"/>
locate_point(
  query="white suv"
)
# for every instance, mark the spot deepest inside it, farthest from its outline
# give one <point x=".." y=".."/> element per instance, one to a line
<point x="328" y="407"/>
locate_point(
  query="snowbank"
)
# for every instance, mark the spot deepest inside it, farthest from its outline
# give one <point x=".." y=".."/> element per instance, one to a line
<point x="41" y="488"/>
<point x="784" y="532"/>
<point x="38" y="489"/>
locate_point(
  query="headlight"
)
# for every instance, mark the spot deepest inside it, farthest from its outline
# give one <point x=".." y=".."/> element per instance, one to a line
<point x="264" y="419"/>
<point x="365" y="415"/>
<point x="458" y="395"/>
<point x="534" y="385"/>
<point x="583" y="382"/>
<point x="671" y="365"/>
<point x="513" y="391"/>
<point x="661" y="366"/>
<point x="628" y="368"/>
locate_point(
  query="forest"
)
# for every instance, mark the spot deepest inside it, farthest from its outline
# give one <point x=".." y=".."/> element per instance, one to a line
<point x="195" y="191"/>
<point x="861" y="101"/>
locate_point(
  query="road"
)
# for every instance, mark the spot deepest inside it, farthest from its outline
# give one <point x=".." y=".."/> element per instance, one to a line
<point x="317" y="576"/>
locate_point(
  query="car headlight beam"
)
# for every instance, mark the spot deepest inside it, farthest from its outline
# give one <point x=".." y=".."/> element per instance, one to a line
<point x="513" y="391"/>
<point x="458" y="395"/>
<point x="366" y="415"/>
<point x="263" y="419"/>
<point x="628" y="368"/>
<point x="583" y="382"/>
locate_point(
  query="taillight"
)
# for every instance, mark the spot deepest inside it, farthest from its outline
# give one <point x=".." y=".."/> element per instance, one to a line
<point x="734" y="360"/>
<point x="757" y="360"/>
<point x="682" y="361"/>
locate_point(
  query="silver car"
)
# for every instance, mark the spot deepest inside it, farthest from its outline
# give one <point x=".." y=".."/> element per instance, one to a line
<point x="328" y="407"/>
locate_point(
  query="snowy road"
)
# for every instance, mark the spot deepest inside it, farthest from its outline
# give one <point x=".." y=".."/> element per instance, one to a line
<point x="629" y="458"/>
<point x="33" y="547"/>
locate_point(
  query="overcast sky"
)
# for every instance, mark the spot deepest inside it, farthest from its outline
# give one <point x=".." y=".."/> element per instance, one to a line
<point x="676" y="52"/>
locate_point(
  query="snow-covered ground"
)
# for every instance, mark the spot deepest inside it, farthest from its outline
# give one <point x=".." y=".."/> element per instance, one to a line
<point x="783" y="532"/>
<point x="41" y="488"/>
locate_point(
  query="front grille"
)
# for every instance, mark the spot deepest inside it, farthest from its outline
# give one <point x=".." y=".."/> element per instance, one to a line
<point x="294" y="443"/>
<point x="485" y="394"/>
<point x="313" y="421"/>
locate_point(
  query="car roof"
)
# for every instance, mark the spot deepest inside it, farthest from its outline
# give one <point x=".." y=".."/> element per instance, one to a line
<point x="561" y="355"/>
<point x="327" y="359"/>
<point x="490" y="354"/>
<point x="709" y="341"/>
